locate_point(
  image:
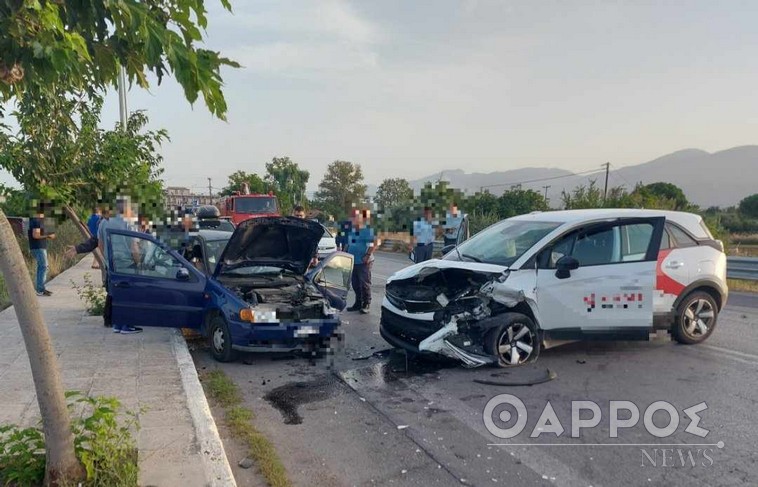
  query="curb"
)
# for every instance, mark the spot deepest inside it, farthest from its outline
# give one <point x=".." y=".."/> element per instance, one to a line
<point x="218" y="472"/>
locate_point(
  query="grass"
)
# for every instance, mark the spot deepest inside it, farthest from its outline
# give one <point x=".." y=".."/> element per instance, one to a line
<point x="225" y="393"/>
<point x="741" y="285"/>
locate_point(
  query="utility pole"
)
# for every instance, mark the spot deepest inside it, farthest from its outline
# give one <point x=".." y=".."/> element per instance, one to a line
<point x="607" y="170"/>
<point x="210" y="188"/>
<point x="122" y="109"/>
<point x="546" y="187"/>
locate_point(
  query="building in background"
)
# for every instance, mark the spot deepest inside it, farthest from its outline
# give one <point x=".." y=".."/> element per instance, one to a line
<point x="184" y="197"/>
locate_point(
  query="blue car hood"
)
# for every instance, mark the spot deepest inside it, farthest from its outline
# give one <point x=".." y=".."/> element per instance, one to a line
<point x="286" y="242"/>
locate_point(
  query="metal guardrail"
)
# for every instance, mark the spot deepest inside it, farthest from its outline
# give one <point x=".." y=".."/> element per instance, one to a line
<point x="742" y="268"/>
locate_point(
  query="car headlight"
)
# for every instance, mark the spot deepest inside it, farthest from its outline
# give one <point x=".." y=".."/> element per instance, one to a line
<point x="258" y="316"/>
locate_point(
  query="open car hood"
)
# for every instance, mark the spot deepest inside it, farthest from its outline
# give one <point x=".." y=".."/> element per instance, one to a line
<point x="434" y="265"/>
<point x="281" y="241"/>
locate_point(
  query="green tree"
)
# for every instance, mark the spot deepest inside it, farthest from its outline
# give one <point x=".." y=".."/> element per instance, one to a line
<point x="480" y="204"/>
<point x="288" y="182"/>
<point x="749" y="206"/>
<point x="60" y="153"/>
<point x="55" y="46"/>
<point x="661" y="196"/>
<point x="519" y="202"/>
<point x="392" y="193"/>
<point x="236" y="180"/>
<point x="341" y="188"/>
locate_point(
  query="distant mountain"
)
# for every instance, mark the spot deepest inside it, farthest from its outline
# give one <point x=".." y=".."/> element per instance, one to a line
<point x="719" y="179"/>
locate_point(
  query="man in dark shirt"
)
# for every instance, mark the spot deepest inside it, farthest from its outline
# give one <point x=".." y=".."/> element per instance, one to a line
<point x="38" y="248"/>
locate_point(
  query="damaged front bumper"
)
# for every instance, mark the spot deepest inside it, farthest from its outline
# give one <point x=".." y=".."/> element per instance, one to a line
<point x="426" y="338"/>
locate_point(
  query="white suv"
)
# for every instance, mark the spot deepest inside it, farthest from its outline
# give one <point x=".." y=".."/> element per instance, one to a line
<point x="536" y="279"/>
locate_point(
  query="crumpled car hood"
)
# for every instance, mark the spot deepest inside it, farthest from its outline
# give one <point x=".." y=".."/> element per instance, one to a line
<point x="285" y="242"/>
<point x="439" y="264"/>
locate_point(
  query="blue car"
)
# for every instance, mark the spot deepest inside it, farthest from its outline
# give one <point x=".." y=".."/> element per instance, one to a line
<point x="262" y="296"/>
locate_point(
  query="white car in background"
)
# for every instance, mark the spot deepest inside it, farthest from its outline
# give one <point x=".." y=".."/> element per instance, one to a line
<point x="327" y="244"/>
<point x="556" y="276"/>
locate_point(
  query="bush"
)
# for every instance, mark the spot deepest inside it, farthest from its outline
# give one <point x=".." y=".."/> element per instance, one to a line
<point x="105" y="448"/>
<point x="480" y="221"/>
<point x="92" y="295"/>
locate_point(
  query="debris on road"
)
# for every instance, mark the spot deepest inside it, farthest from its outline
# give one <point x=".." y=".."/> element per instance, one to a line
<point x="246" y="463"/>
<point x="549" y="375"/>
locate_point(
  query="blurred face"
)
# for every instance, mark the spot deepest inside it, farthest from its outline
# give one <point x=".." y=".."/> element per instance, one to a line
<point x="454" y="210"/>
<point x="357" y="220"/>
<point x="298" y="213"/>
<point x="428" y="214"/>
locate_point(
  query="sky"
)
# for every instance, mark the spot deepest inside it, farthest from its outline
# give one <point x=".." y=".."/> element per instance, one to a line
<point x="409" y="89"/>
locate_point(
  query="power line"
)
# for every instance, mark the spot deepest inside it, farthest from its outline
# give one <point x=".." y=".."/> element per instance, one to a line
<point x="593" y="171"/>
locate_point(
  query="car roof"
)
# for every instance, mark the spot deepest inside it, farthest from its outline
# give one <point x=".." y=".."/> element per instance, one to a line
<point x="212" y="234"/>
<point x="690" y="221"/>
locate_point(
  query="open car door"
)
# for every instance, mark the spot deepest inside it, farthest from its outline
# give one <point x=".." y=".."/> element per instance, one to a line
<point x="463" y="231"/>
<point x="151" y="285"/>
<point x="332" y="277"/>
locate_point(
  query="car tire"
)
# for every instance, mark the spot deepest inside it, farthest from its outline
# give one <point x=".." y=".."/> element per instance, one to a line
<point x="696" y="318"/>
<point x="516" y="341"/>
<point x="220" y="340"/>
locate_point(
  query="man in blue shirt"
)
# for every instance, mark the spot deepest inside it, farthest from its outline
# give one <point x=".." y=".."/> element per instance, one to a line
<point x="422" y="237"/>
<point x="453" y="220"/>
<point x="38" y="248"/>
<point x="126" y="253"/>
<point x="361" y="244"/>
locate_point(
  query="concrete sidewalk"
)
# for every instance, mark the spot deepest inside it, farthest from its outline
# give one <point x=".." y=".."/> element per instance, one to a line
<point x="151" y="371"/>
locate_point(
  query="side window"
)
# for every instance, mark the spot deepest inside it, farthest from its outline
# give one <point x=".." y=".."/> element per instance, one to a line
<point x="665" y="240"/>
<point x="602" y="246"/>
<point x="680" y="237"/>
<point x="635" y="241"/>
<point x="137" y="256"/>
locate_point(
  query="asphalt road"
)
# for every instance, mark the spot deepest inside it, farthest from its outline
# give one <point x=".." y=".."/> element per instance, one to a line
<point x="375" y="419"/>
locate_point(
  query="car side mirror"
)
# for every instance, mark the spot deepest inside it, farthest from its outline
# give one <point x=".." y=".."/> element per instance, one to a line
<point x="447" y="249"/>
<point x="182" y="274"/>
<point x="412" y="256"/>
<point x="564" y="266"/>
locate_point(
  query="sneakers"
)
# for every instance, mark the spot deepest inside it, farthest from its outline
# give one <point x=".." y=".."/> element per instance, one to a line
<point x="354" y="307"/>
<point x="116" y="330"/>
<point x="365" y="310"/>
<point x="130" y="330"/>
<point x="44" y="293"/>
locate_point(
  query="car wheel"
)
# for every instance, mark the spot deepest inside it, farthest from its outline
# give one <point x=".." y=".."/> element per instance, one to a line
<point x="221" y="341"/>
<point x="696" y="318"/>
<point x="515" y="342"/>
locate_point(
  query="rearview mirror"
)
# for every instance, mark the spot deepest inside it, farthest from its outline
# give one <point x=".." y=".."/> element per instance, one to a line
<point x="564" y="266"/>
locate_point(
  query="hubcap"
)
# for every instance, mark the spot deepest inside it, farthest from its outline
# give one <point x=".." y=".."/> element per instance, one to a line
<point x="218" y="339"/>
<point x="698" y="318"/>
<point x="516" y="344"/>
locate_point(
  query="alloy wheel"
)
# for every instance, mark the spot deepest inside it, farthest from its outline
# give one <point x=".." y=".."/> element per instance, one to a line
<point x="516" y="344"/>
<point x="698" y="318"/>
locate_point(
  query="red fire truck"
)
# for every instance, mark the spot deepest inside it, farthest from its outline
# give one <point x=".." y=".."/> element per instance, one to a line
<point x="242" y="206"/>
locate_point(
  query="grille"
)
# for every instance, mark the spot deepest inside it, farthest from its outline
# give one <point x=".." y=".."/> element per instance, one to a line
<point x="406" y="329"/>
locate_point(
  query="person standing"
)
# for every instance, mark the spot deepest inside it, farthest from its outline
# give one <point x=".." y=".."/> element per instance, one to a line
<point x="92" y="223"/>
<point x="453" y="220"/>
<point x="422" y="238"/>
<point x="38" y="248"/>
<point x="123" y="254"/>
<point x="362" y="243"/>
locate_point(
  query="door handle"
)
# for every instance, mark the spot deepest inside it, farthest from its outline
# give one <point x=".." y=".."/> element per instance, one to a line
<point x="674" y="265"/>
<point x="121" y="284"/>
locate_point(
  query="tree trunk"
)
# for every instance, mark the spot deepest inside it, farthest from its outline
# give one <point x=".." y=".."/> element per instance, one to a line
<point x="71" y="214"/>
<point x="62" y="464"/>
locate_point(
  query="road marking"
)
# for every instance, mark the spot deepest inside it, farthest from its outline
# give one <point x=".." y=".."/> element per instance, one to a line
<point x="748" y="356"/>
<point x="718" y="445"/>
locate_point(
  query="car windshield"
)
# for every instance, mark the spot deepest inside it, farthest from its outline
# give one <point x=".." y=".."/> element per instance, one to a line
<point x="213" y="249"/>
<point x="503" y="243"/>
<point x="257" y="205"/>
<point x="327" y="233"/>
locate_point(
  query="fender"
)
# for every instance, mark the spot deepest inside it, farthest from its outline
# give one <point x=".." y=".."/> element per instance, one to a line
<point x="711" y="284"/>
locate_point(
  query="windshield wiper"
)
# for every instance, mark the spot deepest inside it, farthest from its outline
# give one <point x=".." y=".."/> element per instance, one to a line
<point x="475" y="259"/>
